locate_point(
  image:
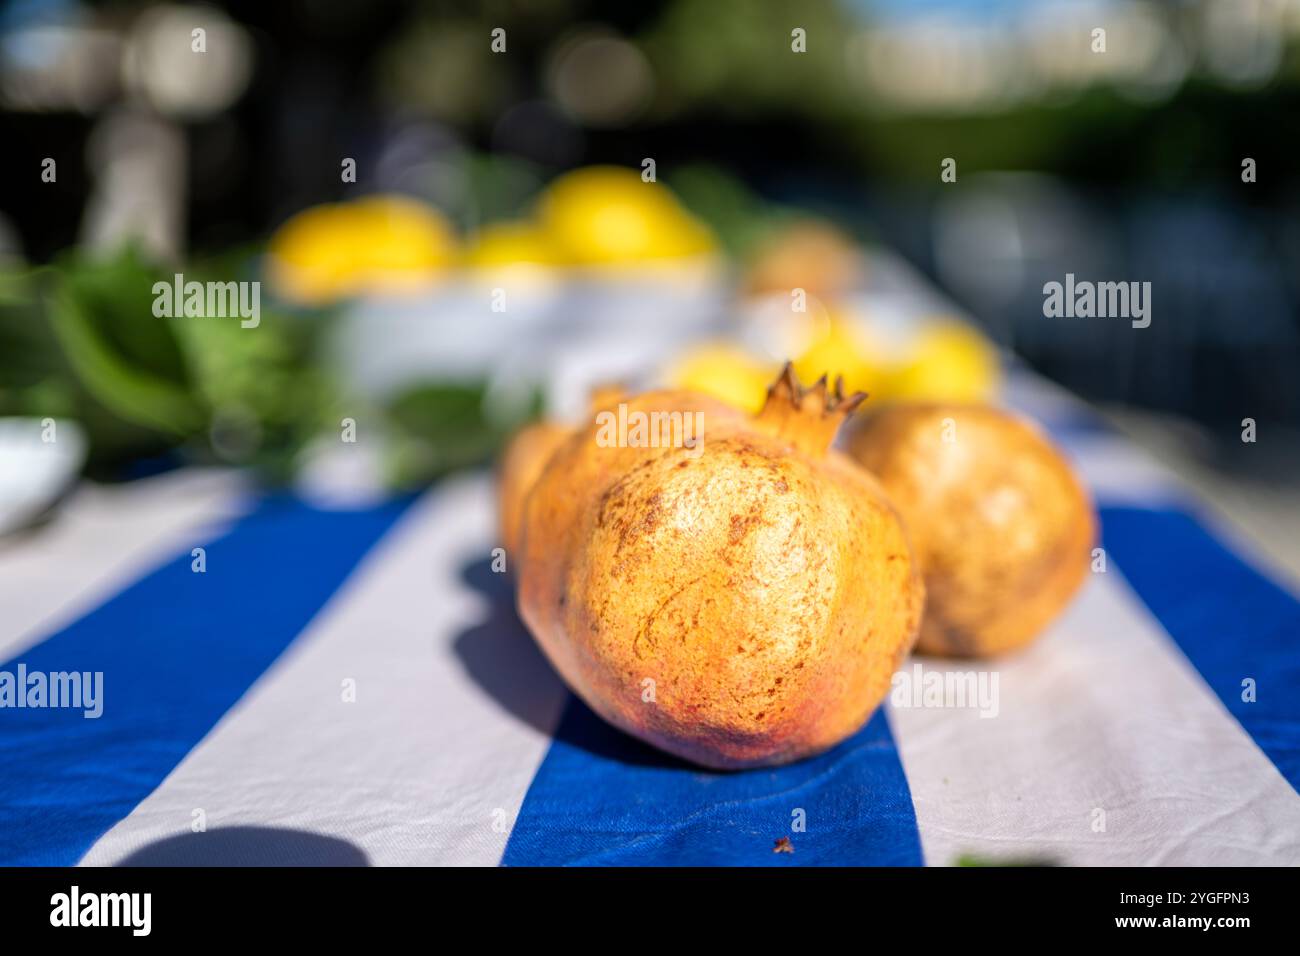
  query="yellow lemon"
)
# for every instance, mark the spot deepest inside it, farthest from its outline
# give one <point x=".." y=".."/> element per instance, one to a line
<point x="310" y="257"/>
<point x="609" y="215"/>
<point x="726" y="372"/>
<point x="401" y="242"/>
<point x="508" y="244"/>
<point x="379" y="244"/>
<point x="843" y="348"/>
<point x="949" y="362"/>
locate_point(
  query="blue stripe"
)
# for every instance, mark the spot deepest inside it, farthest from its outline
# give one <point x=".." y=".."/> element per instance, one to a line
<point x="177" y="650"/>
<point x="1231" y="621"/>
<point x="603" y="798"/>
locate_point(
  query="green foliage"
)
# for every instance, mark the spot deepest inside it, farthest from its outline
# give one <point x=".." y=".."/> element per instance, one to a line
<point x="102" y="316"/>
<point x="735" y="214"/>
<point x="735" y="56"/>
<point x="444" y="426"/>
<point x="79" y="340"/>
<point x="76" y="342"/>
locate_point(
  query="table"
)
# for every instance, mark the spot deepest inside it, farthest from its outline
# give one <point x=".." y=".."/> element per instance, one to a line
<point x="349" y="684"/>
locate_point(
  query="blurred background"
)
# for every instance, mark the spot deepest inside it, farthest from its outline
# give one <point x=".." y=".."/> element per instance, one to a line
<point x="502" y="222"/>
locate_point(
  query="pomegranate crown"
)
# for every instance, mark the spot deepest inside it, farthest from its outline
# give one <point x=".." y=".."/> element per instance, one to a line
<point x="807" y="417"/>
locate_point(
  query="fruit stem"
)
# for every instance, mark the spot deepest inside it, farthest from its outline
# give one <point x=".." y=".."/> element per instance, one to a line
<point x="808" y="418"/>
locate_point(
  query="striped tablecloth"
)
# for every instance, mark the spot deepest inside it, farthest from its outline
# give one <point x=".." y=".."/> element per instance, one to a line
<point x="353" y="686"/>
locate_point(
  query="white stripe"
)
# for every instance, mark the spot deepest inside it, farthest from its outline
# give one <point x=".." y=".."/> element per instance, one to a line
<point x="1120" y="474"/>
<point x="453" y="713"/>
<point x="1102" y="713"/>
<point x="103" y="538"/>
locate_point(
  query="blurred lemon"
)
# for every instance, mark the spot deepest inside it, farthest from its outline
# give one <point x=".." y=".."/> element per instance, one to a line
<point x="949" y="362"/>
<point x="608" y="215"/>
<point x="310" y="257"/>
<point x="842" y="347"/>
<point x="402" y="242"/>
<point x="509" y="243"/>
<point x="726" y="372"/>
<point x="375" y="245"/>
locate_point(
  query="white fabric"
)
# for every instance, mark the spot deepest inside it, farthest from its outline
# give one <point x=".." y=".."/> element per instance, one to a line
<point x="1102" y="713"/>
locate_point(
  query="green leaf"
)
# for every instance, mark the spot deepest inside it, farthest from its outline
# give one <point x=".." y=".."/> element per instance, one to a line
<point x="125" y="357"/>
<point x="443" y="426"/>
